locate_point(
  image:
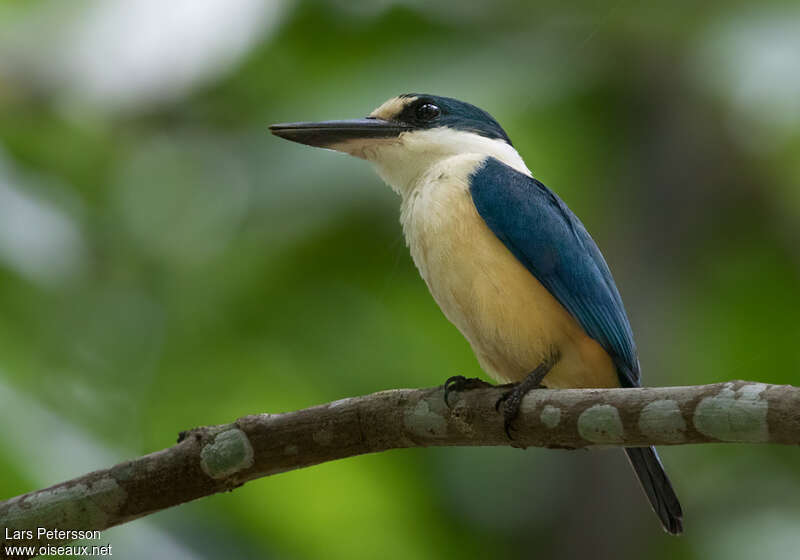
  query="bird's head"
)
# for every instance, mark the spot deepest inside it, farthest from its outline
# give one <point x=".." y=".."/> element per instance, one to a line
<point x="408" y="134"/>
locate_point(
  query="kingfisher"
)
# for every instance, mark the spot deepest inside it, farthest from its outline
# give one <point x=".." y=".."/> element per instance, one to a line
<point x="509" y="264"/>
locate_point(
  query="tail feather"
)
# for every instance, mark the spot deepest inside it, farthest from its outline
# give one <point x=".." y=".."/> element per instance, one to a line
<point x="657" y="486"/>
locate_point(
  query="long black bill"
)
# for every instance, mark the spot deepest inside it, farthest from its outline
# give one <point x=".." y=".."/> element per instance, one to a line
<point x="327" y="133"/>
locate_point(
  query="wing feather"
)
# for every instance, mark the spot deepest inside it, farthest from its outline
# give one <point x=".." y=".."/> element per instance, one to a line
<point x="545" y="236"/>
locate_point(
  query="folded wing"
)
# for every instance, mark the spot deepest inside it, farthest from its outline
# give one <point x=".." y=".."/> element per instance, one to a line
<point x="552" y="243"/>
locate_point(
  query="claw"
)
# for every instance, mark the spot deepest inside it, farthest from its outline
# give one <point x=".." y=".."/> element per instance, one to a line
<point x="509" y="412"/>
<point x="507" y="426"/>
<point x="511" y="400"/>
<point x="452" y="385"/>
<point x="503" y="398"/>
<point x="460" y="383"/>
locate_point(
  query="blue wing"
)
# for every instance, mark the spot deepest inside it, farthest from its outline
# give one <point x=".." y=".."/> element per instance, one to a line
<point x="552" y="243"/>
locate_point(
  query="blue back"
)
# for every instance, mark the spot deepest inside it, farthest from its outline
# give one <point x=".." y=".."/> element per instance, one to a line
<point x="552" y="243"/>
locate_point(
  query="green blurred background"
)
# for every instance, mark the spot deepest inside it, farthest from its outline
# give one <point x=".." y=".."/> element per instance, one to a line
<point x="165" y="262"/>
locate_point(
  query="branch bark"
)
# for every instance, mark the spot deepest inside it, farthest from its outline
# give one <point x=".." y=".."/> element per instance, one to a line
<point x="213" y="459"/>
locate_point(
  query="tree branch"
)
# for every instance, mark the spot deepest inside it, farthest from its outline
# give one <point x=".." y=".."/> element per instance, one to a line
<point x="214" y="459"/>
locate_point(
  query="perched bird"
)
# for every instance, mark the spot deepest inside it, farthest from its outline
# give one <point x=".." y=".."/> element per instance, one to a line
<point x="508" y="263"/>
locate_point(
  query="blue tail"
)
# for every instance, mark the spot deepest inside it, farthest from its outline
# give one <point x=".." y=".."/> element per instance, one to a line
<point x="657" y="486"/>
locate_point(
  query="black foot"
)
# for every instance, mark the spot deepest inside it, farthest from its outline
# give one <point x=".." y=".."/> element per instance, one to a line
<point x="460" y="383"/>
<point x="511" y="400"/>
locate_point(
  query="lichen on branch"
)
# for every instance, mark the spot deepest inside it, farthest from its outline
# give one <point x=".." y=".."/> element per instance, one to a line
<point x="213" y="459"/>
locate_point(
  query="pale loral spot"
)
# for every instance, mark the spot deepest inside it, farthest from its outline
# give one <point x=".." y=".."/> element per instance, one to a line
<point x="550" y="416"/>
<point x="734" y="415"/>
<point x="600" y="424"/>
<point x="392" y="107"/>
<point x="663" y="420"/>
<point x="423" y="421"/>
<point x="229" y="453"/>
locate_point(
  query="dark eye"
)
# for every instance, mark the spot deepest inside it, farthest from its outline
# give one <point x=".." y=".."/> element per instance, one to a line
<point x="428" y="112"/>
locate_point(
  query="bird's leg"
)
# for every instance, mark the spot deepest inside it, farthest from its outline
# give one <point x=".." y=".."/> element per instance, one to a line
<point x="460" y="383"/>
<point x="512" y="400"/>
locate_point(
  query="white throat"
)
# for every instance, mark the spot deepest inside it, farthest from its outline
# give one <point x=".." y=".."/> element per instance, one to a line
<point x="401" y="162"/>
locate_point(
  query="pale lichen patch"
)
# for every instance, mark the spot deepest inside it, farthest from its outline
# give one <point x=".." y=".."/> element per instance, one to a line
<point x="532" y="401"/>
<point x="229" y="453"/>
<point x="123" y="471"/>
<point x="77" y="506"/>
<point x="423" y="420"/>
<point x="663" y="420"/>
<point x="600" y="424"/>
<point x="734" y="415"/>
<point x="550" y="416"/>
